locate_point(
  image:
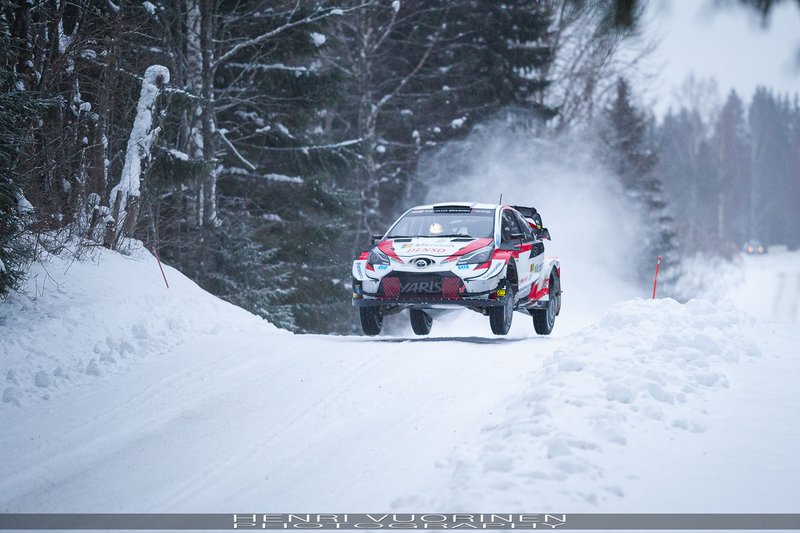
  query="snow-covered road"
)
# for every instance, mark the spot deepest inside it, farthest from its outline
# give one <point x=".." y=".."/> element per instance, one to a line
<point x="649" y="406"/>
<point x="322" y="422"/>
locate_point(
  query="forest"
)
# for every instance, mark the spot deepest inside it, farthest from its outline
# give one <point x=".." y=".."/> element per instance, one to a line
<point x="257" y="145"/>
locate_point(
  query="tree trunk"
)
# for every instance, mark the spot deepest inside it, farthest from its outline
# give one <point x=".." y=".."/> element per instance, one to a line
<point x="208" y="125"/>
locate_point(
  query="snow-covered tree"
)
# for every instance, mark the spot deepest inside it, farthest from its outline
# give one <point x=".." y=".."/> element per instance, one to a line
<point x="628" y="147"/>
<point x="730" y="143"/>
<point x="138" y="150"/>
<point x="19" y="115"/>
<point x="773" y="190"/>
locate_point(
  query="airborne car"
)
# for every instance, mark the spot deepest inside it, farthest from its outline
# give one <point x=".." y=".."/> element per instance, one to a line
<point x="483" y="257"/>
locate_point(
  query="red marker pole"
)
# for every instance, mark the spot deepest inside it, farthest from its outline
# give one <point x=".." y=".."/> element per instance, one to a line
<point x="160" y="268"/>
<point x="655" y="279"/>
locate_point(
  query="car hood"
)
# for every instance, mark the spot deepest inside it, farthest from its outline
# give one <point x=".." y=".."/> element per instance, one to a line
<point x="440" y="247"/>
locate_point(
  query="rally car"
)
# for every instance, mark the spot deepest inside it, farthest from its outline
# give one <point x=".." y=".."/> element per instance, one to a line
<point x="483" y="257"/>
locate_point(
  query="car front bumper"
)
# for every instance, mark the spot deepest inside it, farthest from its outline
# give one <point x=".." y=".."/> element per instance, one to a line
<point x="429" y="290"/>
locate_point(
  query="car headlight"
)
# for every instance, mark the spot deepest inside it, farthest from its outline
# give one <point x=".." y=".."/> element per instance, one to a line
<point x="480" y="255"/>
<point x="376" y="257"/>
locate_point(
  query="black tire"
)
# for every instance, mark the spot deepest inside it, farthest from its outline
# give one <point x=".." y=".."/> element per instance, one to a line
<point x="371" y="320"/>
<point x="500" y="317"/>
<point x="421" y="322"/>
<point x="557" y="291"/>
<point x="545" y="319"/>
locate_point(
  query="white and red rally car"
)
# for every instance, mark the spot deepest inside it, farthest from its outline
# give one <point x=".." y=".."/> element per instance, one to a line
<point x="487" y="258"/>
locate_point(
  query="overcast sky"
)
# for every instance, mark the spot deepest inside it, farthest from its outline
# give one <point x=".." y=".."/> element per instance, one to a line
<point x="728" y="43"/>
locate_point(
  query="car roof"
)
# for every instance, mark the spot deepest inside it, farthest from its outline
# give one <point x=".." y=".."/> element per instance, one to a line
<point x="471" y="205"/>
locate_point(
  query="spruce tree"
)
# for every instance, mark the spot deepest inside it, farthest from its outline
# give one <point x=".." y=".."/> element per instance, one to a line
<point x="500" y="53"/>
<point x="19" y="114"/>
<point x="771" y="176"/>
<point x="278" y="243"/>
<point x="793" y="240"/>
<point x="731" y="146"/>
<point x="630" y="153"/>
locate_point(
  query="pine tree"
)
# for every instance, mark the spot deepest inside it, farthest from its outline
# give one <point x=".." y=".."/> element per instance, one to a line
<point x="793" y="240"/>
<point x="421" y="73"/>
<point x="19" y="115"/>
<point x="500" y="54"/>
<point x="680" y="141"/>
<point x="628" y="141"/>
<point x="731" y="145"/>
<point x="275" y="167"/>
<point x="771" y="176"/>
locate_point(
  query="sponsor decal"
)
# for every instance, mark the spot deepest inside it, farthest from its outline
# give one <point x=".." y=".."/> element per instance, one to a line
<point x="539" y="267"/>
<point x="430" y="287"/>
<point x="382" y="267"/>
<point x="413" y="249"/>
<point x="537" y="293"/>
<point x="387" y="248"/>
<point x="358" y="269"/>
<point x="494" y="270"/>
<point x="463" y="267"/>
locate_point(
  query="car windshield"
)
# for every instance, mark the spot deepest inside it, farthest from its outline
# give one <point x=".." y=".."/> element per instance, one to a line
<point x="476" y="223"/>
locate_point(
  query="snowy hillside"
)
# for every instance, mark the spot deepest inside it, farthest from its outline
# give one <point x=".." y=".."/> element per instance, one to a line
<point x="128" y="396"/>
<point x="79" y="320"/>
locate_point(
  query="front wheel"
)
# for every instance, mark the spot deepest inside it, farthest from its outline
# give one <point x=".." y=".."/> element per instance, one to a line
<point x="421" y="322"/>
<point x="545" y="319"/>
<point x="371" y="320"/>
<point x="500" y="317"/>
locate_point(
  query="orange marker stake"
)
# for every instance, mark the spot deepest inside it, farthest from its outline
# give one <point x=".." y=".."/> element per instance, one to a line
<point x="655" y="279"/>
<point x="165" y="276"/>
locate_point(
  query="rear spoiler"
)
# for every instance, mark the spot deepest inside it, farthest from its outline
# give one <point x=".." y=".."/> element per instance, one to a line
<point x="534" y="219"/>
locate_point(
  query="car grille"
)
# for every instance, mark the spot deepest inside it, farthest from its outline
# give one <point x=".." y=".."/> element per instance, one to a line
<point x="403" y="285"/>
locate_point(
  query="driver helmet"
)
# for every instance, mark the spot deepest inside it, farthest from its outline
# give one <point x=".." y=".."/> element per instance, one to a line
<point x="436" y="228"/>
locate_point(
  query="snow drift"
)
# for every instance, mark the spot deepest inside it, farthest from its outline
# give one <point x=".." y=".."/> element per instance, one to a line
<point x="647" y="366"/>
<point x="76" y="320"/>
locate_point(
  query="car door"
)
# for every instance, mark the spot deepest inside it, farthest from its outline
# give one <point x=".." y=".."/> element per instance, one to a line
<point x="510" y="225"/>
<point x="526" y="255"/>
<point x="534" y="249"/>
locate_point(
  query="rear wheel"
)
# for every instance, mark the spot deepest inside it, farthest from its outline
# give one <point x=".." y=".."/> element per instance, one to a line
<point x="421" y="322"/>
<point x="545" y="319"/>
<point x="500" y="316"/>
<point x="371" y="320"/>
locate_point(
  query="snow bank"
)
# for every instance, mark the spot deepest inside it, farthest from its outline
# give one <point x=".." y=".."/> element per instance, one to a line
<point x="645" y="367"/>
<point x="766" y="287"/>
<point x="76" y="321"/>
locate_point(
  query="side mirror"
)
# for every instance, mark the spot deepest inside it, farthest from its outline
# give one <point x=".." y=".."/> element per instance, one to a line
<point x="376" y="238"/>
<point x="517" y="236"/>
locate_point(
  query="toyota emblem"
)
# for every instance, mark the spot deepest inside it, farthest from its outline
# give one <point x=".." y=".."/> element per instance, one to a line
<point x="422" y="263"/>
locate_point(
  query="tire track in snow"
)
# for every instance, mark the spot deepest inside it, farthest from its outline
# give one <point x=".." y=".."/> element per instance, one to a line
<point x="301" y="448"/>
<point x="231" y="466"/>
